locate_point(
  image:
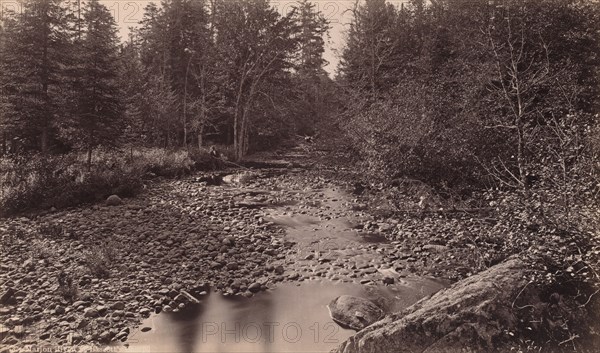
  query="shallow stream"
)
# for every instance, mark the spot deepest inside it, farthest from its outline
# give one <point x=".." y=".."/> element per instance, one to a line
<point x="290" y="316"/>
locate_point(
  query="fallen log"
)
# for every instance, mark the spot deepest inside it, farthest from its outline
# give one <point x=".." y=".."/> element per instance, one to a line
<point x="190" y="297"/>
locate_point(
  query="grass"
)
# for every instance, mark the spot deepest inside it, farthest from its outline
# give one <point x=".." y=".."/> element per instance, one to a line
<point x="33" y="183"/>
<point x="100" y="259"/>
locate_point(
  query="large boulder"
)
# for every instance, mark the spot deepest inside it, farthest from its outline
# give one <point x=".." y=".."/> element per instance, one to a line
<point x="473" y="315"/>
<point x="114" y="200"/>
<point x="354" y="312"/>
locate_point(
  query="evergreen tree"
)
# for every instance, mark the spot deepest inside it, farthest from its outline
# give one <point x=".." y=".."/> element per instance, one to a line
<point x="98" y="117"/>
<point x="367" y="60"/>
<point x="148" y="98"/>
<point x="310" y="77"/>
<point x="37" y="51"/>
<point x="312" y="27"/>
<point x="5" y="107"/>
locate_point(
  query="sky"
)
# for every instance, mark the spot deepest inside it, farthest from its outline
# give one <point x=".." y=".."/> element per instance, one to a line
<point x="128" y="13"/>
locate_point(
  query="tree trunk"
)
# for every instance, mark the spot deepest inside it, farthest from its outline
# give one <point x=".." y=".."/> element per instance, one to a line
<point x="89" y="158"/>
<point x="3" y="143"/>
<point x="45" y="84"/>
<point x="200" y="136"/>
<point x="44" y="140"/>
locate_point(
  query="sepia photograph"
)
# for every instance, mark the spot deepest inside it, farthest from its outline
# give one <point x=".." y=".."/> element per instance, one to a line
<point x="299" y="176"/>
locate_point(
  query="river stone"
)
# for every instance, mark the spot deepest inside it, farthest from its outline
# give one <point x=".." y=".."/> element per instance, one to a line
<point x="254" y="287"/>
<point x="105" y="336"/>
<point x="435" y="248"/>
<point x="114" y="200"/>
<point x="74" y="338"/>
<point x="457" y="318"/>
<point x="354" y="312"/>
<point x="118" y="306"/>
<point x="90" y="312"/>
<point x="4" y="331"/>
<point x="7" y="295"/>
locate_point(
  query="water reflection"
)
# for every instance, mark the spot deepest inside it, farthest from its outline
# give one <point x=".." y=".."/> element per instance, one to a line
<point x="289" y="318"/>
<point x="188" y="320"/>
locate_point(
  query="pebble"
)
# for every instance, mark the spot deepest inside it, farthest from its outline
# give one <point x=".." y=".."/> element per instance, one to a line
<point x="118" y="306"/>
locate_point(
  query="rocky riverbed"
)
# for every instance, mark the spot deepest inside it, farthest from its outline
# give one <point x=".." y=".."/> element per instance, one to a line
<point x="90" y="275"/>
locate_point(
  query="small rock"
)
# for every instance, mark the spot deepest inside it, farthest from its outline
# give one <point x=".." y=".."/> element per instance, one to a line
<point x="118" y="306"/>
<point x="18" y="330"/>
<point x="145" y="312"/>
<point x="4" y="331"/>
<point x="435" y="247"/>
<point x="81" y="324"/>
<point x="105" y="336"/>
<point x="10" y="340"/>
<point x="279" y="270"/>
<point x="228" y="241"/>
<point x="388" y="280"/>
<point x="102" y="309"/>
<point x="146" y="329"/>
<point x="7" y="295"/>
<point x="254" y="287"/>
<point x="90" y="312"/>
<point x="294" y="275"/>
<point x="74" y="338"/>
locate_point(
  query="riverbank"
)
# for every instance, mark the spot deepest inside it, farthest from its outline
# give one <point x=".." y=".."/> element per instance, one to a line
<point x="90" y="275"/>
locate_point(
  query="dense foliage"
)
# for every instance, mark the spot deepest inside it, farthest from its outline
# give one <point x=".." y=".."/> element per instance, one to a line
<point x="496" y="93"/>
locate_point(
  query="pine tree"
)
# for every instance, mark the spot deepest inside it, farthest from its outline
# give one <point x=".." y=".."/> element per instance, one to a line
<point x="148" y="98"/>
<point x="38" y="49"/>
<point x="98" y="117"/>
<point x="4" y="104"/>
<point x="312" y="28"/>
<point x="370" y="46"/>
<point x="310" y="77"/>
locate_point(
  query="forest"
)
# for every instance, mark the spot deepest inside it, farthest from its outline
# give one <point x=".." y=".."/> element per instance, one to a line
<point x="194" y="73"/>
<point x="484" y="94"/>
<point x="447" y="106"/>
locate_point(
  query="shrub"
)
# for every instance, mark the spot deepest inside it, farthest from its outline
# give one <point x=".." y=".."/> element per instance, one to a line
<point x="99" y="261"/>
<point x="29" y="183"/>
<point x="64" y="181"/>
<point x="162" y="162"/>
<point x="67" y="287"/>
